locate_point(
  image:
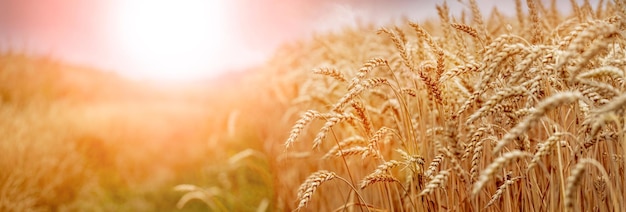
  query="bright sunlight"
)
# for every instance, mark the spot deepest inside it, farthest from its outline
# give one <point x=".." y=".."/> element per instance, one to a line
<point x="170" y="40"/>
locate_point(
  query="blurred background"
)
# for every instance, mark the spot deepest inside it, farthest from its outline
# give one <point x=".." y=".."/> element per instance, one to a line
<point x="183" y="40"/>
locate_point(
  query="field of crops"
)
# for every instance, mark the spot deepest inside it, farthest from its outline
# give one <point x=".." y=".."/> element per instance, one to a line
<point x="468" y="112"/>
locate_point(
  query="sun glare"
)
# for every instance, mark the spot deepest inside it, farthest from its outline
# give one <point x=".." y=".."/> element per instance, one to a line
<point x="170" y="40"/>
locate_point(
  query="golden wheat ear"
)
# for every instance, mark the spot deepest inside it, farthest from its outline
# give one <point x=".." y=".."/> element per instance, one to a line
<point x="500" y="162"/>
<point x="299" y="126"/>
<point x="307" y="189"/>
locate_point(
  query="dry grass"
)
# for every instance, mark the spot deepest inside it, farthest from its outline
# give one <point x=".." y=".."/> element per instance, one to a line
<point x="506" y="111"/>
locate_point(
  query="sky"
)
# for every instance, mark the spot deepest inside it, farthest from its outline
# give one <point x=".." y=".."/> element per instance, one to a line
<point x="182" y="40"/>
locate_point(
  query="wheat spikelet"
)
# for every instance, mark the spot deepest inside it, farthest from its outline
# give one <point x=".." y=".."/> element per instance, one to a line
<point x="476" y="135"/>
<point x="594" y="94"/>
<point x="487" y="107"/>
<point x="600" y="186"/>
<point x="604" y="71"/>
<point x="478" y="151"/>
<point x="495" y="46"/>
<point x="567" y="40"/>
<point x="436" y="182"/>
<point x="381" y="174"/>
<point x="411" y="159"/>
<point x="602" y="114"/>
<point x="400" y="45"/>
<point x="331" y="72"/>
<point x="543" y="107"/>
<point x="409" y="91"/>
<point x="376" y="138"/>
<point x="421" y="33"/>
<point x="534" y="20"/>
<point x="365" y="69"/>
<point x="493" y="167"/>
<point x="433" y="90"/>
<point x="605" y="90"/>
<point x="363" y="117"/>
<point x="456" y="164"/>
<point x="376" y="178"/>
<point x="401" y="35"/>
<point x="573" y="181"/>
<point x="374" y="82"/>
<point x="477" y="19"/>
<point x="355" y="150"/>
<point x="345" y="143"/>
<point x="306" y="190"/>
<point x="460" y="45"/>
<point x="615" y="105"/>
<point x="490" y="71"/>
<point x="593" y="139"/>
<point x="492" y="62"/>
<point x="466" y="29"/>
<point x="300" y="124"/>
<point x="545" y="148"/>
<point x="330" y="122"/>
<point x="522" y="68"/>
<point x="535" y="89"/>
<point x="356" y="90"/>
<point x="386" y="166"/>
<point x="433" y="165"/>
<point x="597" y="46"/>
<point x="501" y="190"/>
<point x="453" y="137"/>
<point x="352" y="93"/>
<point x="523" y="112"/>
<point x="456" y="71"/>
<point x="600" y="29"/>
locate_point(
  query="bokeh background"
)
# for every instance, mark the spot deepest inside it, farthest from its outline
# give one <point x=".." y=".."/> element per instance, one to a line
<point x="99" y="32"/>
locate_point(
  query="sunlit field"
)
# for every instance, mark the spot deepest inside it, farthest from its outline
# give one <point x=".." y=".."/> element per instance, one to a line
<point x="471" y="111"/>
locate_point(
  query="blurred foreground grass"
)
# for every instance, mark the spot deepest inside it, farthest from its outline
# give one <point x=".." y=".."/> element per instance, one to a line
<point x="74" y="138"/>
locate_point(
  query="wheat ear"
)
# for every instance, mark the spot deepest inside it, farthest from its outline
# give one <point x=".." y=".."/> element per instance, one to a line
<point x="501" y="190"/>
<point x="376" y="178"/>
<point x="306" y="190"/>
<point x="436" y="182"/>
<point x="541" y="110"/>
<point x="299" y="126"/>
<point x="497" y="164"/>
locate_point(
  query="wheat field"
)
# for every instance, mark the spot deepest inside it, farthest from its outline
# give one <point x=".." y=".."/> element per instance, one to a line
<point x="465" y="113"/>
<point x="475" y="111"/>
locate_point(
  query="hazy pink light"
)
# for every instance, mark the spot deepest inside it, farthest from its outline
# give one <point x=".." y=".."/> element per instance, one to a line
<point x="106" y="33"/>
